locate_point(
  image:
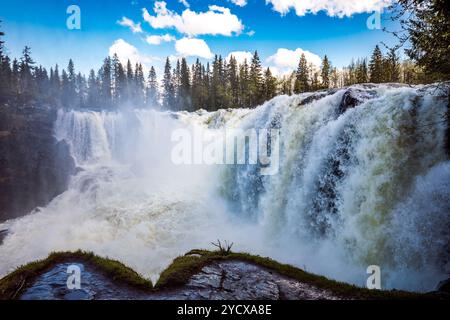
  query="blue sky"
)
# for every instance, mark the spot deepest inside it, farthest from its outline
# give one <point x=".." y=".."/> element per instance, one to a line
<point x="258" y="25"/>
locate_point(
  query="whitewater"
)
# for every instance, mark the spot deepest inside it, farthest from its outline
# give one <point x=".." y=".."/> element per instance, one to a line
<point x="365" y="186"/>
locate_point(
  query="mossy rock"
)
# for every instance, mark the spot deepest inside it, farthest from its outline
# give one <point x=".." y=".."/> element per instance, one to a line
<point x="179" y="272"/>
<point x="12" y="285"/>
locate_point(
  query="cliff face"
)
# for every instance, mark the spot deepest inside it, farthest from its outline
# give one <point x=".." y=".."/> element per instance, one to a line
<point x="34" y="166"/>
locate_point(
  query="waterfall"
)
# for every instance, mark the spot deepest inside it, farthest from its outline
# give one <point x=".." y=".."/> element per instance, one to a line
<point x="357" y="186"/>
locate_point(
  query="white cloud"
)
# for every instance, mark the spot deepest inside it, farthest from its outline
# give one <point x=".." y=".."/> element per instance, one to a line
<point x="185" y="3"/>
<point x="240" y="3"/>
<point x="126" y="51"/>
<point x="135" y="27"/>
<point x="339" y="8"/>
<point x="193" y="47"/>
<point x="216" y="21"/>
<point x="156" y="40"/>
<point x="285" y="60"/>
<point x="240" y="56"/>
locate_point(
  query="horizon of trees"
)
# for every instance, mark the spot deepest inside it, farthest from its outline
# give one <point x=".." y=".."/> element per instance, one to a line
<point x="220" y="84"/>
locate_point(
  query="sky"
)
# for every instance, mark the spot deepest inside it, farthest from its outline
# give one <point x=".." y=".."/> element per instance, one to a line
<point x="149" y="31"/>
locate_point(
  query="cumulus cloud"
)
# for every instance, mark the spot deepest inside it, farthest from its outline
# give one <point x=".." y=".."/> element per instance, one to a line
<point x="126" y="51"/>
<point x="216" y="21"/>
<point x="134" y="27"/>
<point x="240" y="3"/>
<point x="193" y="47"/>
<point x="339" y="8"/>
<point x="156" y="40"/>
<point x="285" y="60"/>
<point x="240" y="56"/>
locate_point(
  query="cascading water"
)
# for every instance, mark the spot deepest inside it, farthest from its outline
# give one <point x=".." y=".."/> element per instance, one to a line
<point x="368" y="186"/>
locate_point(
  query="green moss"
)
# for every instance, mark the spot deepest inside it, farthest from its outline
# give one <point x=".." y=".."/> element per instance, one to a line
<point x="182" y="269"/>
<point x="14" y="283"/>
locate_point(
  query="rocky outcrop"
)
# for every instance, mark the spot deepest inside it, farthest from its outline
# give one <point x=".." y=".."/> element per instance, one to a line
<point x="198" y="275"/>
<point x="34" y="166"/>
<point x="354" y="97"/>
<point x="227" y="280"/>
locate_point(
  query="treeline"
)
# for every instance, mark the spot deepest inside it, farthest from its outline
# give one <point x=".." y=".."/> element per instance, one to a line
<point x="24" y="83"/>
<point x="380" y="68"/>
<point x="221" y="84"/>
<point x="225" y="83"/>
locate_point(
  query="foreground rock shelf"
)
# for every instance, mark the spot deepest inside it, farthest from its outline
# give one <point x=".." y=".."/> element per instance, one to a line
<point x="197" y="275"/>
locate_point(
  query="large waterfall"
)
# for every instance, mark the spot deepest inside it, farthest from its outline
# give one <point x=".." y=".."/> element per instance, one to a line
<point x="361" y="186"/>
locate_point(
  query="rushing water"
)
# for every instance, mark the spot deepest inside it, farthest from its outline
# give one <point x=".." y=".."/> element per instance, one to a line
<point x="370" y="186"/>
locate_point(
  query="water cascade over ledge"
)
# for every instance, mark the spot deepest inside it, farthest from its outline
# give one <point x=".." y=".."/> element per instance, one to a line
<point x="364" y="179"/>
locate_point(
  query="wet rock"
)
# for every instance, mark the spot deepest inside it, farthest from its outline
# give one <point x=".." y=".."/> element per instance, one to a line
<point x="52" y="285"/>
<point x="228" y="280"/>
<point x="3" y="234"/>
<point x="444" y="286"/>
<point x="312" y="98"/>
<point x="354" y="97"/>
<point x="34" y="166"/>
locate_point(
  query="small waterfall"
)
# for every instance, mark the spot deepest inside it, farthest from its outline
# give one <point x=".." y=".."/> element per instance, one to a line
<point x="357" y="186"/>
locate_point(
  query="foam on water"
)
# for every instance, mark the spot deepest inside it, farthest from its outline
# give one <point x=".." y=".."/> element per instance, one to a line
<point x="370" y="186"/>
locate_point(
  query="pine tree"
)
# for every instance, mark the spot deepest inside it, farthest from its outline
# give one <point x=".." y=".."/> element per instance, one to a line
<point x="216" y="88"/>
<point x="152" y="94"/>
<point x="233" y="80"/>
<point x="376" y="66"/>
<point x="244" y="85"/>
<point x="256" y="81"/>
<point x="207" y="80"/>
<point x="185" y="87"/>
<point x="168" y="88"/>
<point x="176" y="82"/>
<point x="392" y="69"/>
<point x="270" y="85"/>
<point x="5" y="79"/>
<point x="302" y="76"/>
<point x="139" y="84"/>
<point x="225" y="85"/>
<point x="15" y="78"/>
<point x="93" y="91"/>
<point x="27" y="84"/>
<point x="56" y="85"/>
<point x="5" y="72"/>
<point x="65" y="90"/>
<point x="198" y="97"/>
<point x="81" y="90"/>
<point x="106" y="83"/>
<point x="362" y="75"/>
<point x="130" y="90"/>
<point x="119" y="81"/>
<point x="69" y="94"/>
<point x="326" y="72"/>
